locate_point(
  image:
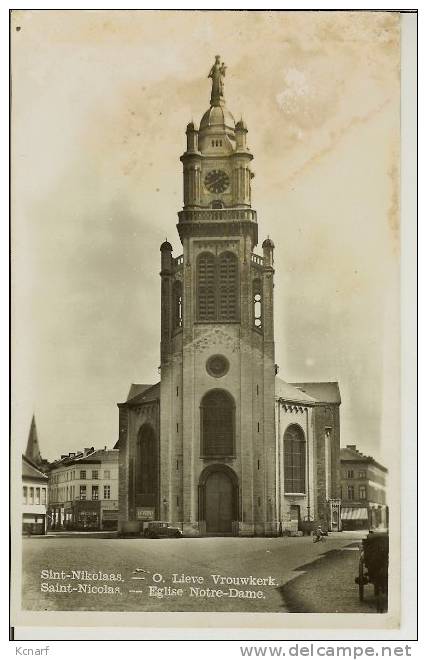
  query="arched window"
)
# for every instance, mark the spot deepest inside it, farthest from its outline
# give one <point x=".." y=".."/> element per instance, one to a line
<point x="146" y="485"/>
<point x="177" y="305"/>
<point x="217" y="287"/>
<point x="206" y="287"/>
<point x="217" y="424"/>
<point x="294" y="445"/>
<point x="257" y="303"/>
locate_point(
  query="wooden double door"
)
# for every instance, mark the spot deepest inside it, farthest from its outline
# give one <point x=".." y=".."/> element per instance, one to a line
<point x="219" y="502"/>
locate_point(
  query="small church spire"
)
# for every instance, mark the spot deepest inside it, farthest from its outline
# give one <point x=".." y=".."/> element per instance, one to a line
<point x="33" y="450"/>
<point x="217" y="73"/>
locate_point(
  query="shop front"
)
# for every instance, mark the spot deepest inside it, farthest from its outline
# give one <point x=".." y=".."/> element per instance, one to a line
<point x="86" y="515"/>
<point x="354" y="518"/>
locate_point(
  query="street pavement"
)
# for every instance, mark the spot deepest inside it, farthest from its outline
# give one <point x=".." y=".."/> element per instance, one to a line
<point x="79" y="572"/>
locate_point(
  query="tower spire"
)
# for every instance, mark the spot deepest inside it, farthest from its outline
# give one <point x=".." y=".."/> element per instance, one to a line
<point x="217" y="73"/>
<point x="33" y="450"/>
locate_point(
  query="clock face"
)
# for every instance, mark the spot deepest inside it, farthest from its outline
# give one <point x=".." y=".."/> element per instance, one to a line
<point x="216" y="181"/>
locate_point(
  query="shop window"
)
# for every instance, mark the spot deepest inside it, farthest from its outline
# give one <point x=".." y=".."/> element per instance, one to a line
<point x="107" y="492"/>
<point x="294" y="455"/>
<point x="257" y="304"/>
<point x="217" y="413"/>
<point x="95" y="492"/>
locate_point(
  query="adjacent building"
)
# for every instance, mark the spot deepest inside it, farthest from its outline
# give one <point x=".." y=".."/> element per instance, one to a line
<point x="363" y="491"/>
<point x="221" y="445"/>
<point x="34" y="486"/>
<point x="83" y="490"/>
<point x="34" y="498"/>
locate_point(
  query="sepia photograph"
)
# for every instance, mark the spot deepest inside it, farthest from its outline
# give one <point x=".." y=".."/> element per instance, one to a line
<point x="205" y="315"/>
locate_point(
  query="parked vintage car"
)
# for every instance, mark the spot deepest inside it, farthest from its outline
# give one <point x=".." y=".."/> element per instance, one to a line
<point x="373" y="568"/>
<point x="157" y="529"/>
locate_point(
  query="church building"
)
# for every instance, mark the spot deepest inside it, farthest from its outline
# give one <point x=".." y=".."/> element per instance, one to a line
<point x="221" y="445"/>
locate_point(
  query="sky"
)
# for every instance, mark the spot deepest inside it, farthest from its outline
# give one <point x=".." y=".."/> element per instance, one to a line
<point x="100" y="102"/>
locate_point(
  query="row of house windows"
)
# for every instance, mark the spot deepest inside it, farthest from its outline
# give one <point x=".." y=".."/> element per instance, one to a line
<point x="68" y="493"/>
<point x="351" y="491"/>
<point x="350" y="474"/>
<point x="70" y="475"/>
<point x="95" y="492"/>
<point x="33" y="495"/>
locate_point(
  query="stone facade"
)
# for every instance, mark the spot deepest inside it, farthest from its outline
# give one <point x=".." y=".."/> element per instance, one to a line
<point x="205" y="448"/>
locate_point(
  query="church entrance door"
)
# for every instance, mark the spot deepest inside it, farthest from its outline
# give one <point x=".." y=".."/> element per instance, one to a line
<point x="219" y="503"/>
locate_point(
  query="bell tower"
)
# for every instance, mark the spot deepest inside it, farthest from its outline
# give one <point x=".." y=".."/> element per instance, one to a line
<point x="217" y="429"/>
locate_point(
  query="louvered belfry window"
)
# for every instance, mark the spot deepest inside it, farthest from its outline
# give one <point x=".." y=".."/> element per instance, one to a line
<point x="294" y="446"/>
<point x="217" y="287"/>
<point x="217" y="421"/>
<point x="206" y="287"/>
<point x="227" y="276"/>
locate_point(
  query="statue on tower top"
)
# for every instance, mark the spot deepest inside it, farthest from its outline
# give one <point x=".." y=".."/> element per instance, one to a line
<point x="217" y="73"/>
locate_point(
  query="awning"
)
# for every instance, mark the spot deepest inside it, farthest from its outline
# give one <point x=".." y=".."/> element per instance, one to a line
<point x="354" y="513"/>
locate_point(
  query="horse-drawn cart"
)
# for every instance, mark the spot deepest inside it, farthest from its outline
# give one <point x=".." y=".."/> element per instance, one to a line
<point x="373" y="568"/>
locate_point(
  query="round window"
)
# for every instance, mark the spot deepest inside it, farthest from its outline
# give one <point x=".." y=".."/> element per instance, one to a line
<point x="217" y="366"/>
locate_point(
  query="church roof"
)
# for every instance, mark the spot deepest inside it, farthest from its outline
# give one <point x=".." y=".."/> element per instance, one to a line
<point x="308" y="392"/>
<point x="31" y="471"/>
<point x="137" y="388"/>
<point x="327" y="392"/>
<point x="143" y="393"/>
<point x="291" y="393"/>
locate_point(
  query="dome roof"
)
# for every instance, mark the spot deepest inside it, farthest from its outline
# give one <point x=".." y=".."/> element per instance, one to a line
<point x="216" y="117"/>
<point x="166" y="247"/>
<point x="241" y="125"/>
<point x="268" y="243"/>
